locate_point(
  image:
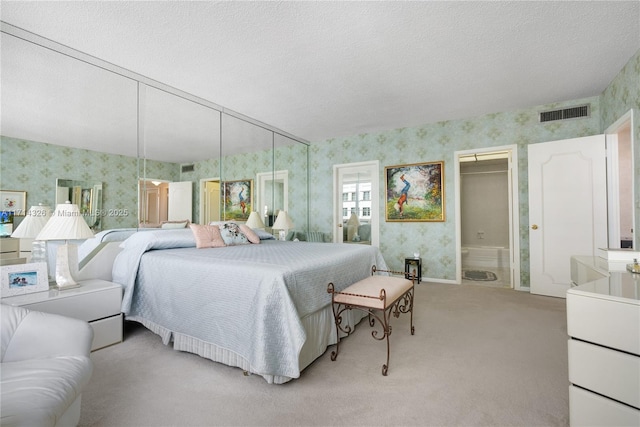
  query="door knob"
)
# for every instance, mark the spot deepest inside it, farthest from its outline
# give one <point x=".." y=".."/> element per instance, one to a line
<point x="534" y="227"/>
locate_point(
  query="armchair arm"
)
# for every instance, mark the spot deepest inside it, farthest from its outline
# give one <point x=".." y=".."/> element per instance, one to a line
<point x="45" y="335"/>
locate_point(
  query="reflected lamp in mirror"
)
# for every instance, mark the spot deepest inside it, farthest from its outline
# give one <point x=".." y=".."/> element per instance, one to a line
<point x="30" y="227"/>
<point x="283" y="223"/>
<point x="66" y="224"/>
<point x="352" y="228"/>
<point x="254" y="221"/>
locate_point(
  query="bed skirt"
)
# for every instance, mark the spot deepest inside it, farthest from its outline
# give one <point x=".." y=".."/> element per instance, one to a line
<point x="319" y="328"/>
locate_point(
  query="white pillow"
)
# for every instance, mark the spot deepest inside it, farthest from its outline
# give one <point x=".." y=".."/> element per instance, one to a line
<point x="175" y="224"/>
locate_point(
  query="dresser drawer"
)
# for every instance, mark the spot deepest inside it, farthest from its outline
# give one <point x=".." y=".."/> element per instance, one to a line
<point x="9" y="246"/>
<point x="106" y="332"/>
<point x="605" y="371"/>
<point x="590" y="409"/>
<point x="610" y="323"/>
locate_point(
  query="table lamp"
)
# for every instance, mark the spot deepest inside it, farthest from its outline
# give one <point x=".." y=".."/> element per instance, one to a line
<point x="254" y="221"/>
<point x="30" y="227"/>
<point x="66" y="224"/>
<point x="283" y="223"/>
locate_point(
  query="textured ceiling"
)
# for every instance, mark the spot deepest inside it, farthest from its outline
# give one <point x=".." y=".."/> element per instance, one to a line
<point x="327" y="69"/>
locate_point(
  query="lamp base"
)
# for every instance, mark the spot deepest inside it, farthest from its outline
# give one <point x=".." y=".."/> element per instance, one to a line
<point x="66" y="256"/>
<point x="39" y="251"/>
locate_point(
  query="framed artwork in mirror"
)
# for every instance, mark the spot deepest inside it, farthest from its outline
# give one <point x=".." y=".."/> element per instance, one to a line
<point x="415" y="192"/>
<point x="14" y="201"/>
<point x="85" y="201"/>
<point x="237" y="199"/>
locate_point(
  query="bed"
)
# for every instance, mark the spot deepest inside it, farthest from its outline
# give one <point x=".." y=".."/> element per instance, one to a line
<point x="261" y="307"/>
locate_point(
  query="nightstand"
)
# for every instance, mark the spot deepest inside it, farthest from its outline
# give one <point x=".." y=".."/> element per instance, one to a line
<point x="96" y="301"/>
<point x="413" y="266"/>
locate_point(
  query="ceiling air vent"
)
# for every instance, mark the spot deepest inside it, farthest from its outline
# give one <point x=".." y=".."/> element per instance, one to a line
<point x="564" y="114"/>
<point x="188" y="168"/>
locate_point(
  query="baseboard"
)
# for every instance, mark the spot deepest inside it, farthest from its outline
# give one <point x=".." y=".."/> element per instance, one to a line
<point x="448" y="281"/>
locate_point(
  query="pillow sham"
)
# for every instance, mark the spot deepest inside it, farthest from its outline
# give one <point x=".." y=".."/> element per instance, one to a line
<point x="249" y="233"/>
<point x="174" y="224"/>
<point x="207" y="236"/>
<point x="263" y="235"/>
<point x="232" y="234"/>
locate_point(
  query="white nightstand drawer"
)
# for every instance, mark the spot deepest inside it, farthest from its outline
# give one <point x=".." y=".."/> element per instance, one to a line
<point x="82" y="305"/>
<point x="106" y="332"/>
<point x="590" y="409"/>
<point x="609" y="372"/>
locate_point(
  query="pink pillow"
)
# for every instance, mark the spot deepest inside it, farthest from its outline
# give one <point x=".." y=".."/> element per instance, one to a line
<point x="251" y="235"/>
<point x="207" y="236"/>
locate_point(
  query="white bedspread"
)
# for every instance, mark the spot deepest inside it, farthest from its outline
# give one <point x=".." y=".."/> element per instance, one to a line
<point x="248" y="299"/>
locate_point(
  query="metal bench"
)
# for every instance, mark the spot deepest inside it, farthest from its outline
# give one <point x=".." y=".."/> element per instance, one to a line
<point x="379" y="296"/>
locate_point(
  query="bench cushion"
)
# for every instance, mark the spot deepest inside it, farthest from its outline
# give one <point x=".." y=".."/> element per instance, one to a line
<point x="394" y="288"/>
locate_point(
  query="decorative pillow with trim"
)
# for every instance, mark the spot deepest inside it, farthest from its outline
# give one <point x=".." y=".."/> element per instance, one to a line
<point x="232" y="234"/>
<point x="207" y="236"/>
<point x="249" y="233"/>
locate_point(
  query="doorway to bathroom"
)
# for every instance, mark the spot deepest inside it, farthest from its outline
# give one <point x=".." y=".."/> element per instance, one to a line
<point x="487" y="221"/>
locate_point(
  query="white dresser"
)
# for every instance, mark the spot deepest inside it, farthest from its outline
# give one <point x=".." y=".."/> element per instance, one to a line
<point x="603" y="323"/>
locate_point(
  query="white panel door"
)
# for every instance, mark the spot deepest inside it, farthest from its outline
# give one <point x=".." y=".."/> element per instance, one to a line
<point x="567" y="208"/>
<point x="180" y="207"/>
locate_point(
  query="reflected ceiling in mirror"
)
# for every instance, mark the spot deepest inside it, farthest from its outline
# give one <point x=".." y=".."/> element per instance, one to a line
<point x="178" y="130"/>
<point x="241" y="137"/>
<point x="53" y="98"/>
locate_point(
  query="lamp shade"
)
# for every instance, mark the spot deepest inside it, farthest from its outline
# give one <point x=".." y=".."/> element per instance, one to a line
<point x="33" y="223"/>
<point x="66" y="224"/>
<point x="283" y="221"/>
<point x="254" y="220"/>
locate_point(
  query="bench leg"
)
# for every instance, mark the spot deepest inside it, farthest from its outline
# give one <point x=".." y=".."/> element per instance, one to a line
<point x="405" y="305"/>
<point x="386" y="331"/>
<point x="338" y="309"/>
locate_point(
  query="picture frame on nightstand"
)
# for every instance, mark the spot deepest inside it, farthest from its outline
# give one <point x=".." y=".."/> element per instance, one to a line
<point x="23" y="279"/>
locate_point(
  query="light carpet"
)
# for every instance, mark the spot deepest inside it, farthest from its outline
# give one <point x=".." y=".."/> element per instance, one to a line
<point x="480" y="357"/>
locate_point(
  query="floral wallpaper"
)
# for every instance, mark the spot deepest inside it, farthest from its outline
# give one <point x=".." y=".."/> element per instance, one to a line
<point x="438" y="141"/>
<point x="291" y="157"/>
<point x="34" y="167"/>
<point x="436" y="242"/>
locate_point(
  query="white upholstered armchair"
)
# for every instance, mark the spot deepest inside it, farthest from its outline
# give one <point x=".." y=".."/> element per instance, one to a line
<point x="45" y="366"/>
